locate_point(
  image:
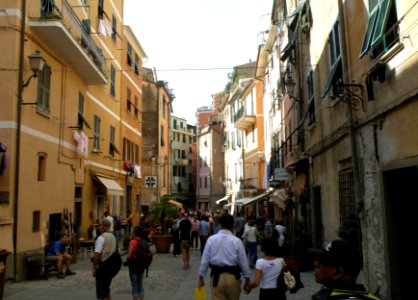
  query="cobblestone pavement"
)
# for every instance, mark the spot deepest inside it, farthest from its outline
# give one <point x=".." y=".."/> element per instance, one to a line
<point x="166" y="280"/>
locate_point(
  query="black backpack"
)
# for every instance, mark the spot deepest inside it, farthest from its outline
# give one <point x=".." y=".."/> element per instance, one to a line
<point x="143" y="256"/>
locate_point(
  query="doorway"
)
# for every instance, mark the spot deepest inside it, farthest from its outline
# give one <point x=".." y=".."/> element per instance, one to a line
<point x="55" y="227"/>
<point x="400" y="192"/>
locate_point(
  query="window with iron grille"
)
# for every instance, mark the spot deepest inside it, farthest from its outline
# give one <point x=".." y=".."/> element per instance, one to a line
<point x="349" y="223"/>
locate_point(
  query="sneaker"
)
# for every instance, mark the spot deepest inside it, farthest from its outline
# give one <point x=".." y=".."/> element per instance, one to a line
<point x="70" y="273"/>
<point x="60" y="276"/>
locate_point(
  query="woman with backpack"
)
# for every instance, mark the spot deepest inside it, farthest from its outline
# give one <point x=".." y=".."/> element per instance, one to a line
<point x="136" y="270"/>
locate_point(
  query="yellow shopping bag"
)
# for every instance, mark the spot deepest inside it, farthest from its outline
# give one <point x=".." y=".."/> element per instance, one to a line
<point x="200" y="293"/>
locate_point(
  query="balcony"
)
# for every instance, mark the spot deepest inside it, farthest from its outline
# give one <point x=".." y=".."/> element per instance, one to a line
<point x="243" y="119"/>
<point x="59" y="27"/>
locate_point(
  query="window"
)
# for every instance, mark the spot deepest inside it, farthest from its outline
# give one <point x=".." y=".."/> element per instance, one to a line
<point x="47" y="7"/>
<point x="162" y="135"/>
<point x="336" y="71"/>
<point x="349" y="223"/>
<point x="300" y="16"/>
<point x="36" y="221"/>
<point x="382" y="29"/>
<point x="136" y="64"/>
<point x="44" y="85"/>
<point x="114" y="31"/>
<point x="128" y="100"/>
<point x="81" y="121"/>
<point x="174" y="170"/>
<point x="206" y="182"/>
<point x="184" y="138"/>
<point x="129" y="55"/>
<point x="112" y="80"/>
<point x="96" y="134"/>
<point x="136" y="106"/>
<point x="101" y="9"/>
<point x="112" y="146"/>
<point x="311" y="99"/>
<point x="175" y="123"/>
<point x="130" y="151"/>
<point x="41" y="166"/>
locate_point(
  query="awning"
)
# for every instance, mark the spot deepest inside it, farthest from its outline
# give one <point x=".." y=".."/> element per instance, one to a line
<point x="249" y="200"/>
<point x="231" y="204"/>
<point x="112" y="187"/>
<point x="175" y="203"/>
<point x="222" y="199"/>
<point x="279" y="197"/>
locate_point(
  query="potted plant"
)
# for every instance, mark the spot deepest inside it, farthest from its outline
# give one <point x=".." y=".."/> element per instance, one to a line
<point x="159" y="215"/>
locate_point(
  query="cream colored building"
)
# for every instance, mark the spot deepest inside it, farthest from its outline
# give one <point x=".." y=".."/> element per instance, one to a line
<point x="350" y="142"/>
<point x="182" y="142"/>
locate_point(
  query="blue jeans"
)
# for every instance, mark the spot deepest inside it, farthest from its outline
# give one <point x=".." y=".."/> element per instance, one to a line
<point x="136" y="276"/>
<point x="252" y="252"/>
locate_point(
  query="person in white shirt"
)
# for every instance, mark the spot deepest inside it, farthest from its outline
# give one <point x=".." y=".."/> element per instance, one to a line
<point x="225" y="254"/>
<point x="110" y="218"/>
<point x="250" y="241"/>
<point x="281" y="230"/>
<point x="268" y="273"/>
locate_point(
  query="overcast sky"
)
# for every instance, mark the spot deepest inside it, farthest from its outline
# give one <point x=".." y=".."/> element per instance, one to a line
<point x="194" y="44"/>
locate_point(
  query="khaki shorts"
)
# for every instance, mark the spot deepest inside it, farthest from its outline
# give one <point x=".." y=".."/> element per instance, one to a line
<point x="185" y="245"/>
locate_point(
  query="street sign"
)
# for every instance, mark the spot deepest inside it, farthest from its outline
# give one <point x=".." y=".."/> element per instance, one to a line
<point x="150" y="181"/>
<point x="281" y="174"/>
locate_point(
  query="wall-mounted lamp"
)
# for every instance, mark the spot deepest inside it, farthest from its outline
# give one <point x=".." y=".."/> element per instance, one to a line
<point x="290" y="84"/>
<point x="36" y="62"/>
<point x="260" y="155"/>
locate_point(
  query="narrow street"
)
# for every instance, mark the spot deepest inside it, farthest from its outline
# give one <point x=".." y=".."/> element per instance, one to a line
<point x="166" y="280"/>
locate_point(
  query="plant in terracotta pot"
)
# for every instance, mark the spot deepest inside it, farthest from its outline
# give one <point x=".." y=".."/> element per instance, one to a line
<point x="160" y="215"/>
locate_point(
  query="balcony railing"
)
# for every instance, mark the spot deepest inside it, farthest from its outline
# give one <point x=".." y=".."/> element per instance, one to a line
<point x="243" y="119"/>
<point x="58" y="25"/>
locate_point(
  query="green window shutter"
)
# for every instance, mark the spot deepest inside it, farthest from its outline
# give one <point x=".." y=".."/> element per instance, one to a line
<point x="44" y="82"/>
<point x="368" y="35"/>
<point x="332" y="77"/>
<point x="112" y="80"/>
<point x="381" y="21"/>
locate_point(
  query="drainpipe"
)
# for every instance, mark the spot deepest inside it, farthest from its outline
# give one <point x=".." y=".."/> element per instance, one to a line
<point x="356" y="174"/>
<point x="18" y="129"/>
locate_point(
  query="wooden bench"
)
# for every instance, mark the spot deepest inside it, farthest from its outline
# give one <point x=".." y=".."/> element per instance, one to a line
<point x="38" y="264"/>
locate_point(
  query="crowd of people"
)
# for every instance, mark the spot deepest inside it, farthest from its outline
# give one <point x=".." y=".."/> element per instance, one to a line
<point x="228" y="246"/>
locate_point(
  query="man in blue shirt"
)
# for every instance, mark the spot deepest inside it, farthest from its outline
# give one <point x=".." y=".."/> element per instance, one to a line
<point x="58" y="251"/>
<point x="225" y="254"/>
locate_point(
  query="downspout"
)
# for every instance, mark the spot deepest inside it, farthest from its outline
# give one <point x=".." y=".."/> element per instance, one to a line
<point x="356" y="174"/>
<point x="18" y="129"/>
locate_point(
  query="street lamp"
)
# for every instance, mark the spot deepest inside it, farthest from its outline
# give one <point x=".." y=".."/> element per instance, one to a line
<point x="36" y="62"/>
<point x="290" y="84"/>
